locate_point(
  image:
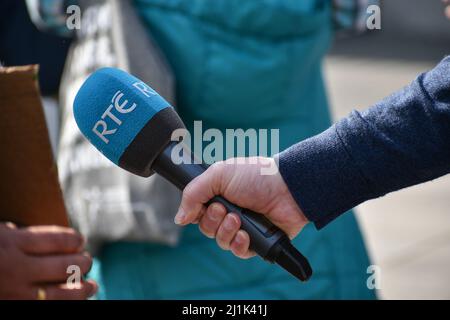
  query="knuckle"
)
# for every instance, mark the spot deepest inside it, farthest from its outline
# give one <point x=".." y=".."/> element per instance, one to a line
<point x="216" y="170"/>
<point x="216" y="166"/>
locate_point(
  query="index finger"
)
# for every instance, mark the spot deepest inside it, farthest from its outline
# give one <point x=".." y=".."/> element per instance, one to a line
<point x="39" y="240"/>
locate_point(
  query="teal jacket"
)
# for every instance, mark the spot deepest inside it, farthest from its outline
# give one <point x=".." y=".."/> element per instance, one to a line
<point x="242" y="64"/>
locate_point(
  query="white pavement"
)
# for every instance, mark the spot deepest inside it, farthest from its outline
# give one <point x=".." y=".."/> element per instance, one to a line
<point x="407" y="232"/>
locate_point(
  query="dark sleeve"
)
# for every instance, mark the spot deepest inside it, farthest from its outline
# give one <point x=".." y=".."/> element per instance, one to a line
<point x="401" y="141"/>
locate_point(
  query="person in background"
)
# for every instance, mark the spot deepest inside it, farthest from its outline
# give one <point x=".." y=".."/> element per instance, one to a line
<point x="34" y="260"/>
<point x="244" y="64"/>
<point x="21" y="43"/>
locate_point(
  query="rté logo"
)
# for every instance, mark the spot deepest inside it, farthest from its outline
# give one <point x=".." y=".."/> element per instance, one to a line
<point x="119" y="106"/>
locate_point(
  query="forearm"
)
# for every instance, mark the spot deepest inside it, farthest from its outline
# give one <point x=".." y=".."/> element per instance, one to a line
<point x="401" y="141"/>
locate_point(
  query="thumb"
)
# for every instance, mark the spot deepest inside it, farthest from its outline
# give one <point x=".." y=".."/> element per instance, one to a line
<point x="198" y="192"/>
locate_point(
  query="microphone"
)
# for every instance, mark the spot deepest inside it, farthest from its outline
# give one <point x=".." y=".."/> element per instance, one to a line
<point x="132" y="125"/>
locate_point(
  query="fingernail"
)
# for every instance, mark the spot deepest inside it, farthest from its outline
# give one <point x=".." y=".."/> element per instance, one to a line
<point x="228" y="224"/>
<point x="216" y="213"/>
<point x="238" y="239"/>
<point x="179" y="217"/>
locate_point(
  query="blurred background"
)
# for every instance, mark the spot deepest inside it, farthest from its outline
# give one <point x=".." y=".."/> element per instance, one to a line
<point x="407" y="232"/>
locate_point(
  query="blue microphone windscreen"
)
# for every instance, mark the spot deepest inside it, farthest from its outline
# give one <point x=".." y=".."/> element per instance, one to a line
<point x="112" y="107"/>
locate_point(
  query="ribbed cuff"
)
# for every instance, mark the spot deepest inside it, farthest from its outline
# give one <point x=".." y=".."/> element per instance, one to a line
<point x="322" y="177"/>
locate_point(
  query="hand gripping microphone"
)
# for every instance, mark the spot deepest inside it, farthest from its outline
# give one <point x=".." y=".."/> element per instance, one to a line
<point x="132" y="125"/>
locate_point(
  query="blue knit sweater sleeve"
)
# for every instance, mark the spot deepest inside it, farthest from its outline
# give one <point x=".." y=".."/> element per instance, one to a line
<point x="401" y="141"/>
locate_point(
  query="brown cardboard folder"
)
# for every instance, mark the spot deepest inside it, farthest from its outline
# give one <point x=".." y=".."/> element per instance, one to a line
<point x="29" y="189"/>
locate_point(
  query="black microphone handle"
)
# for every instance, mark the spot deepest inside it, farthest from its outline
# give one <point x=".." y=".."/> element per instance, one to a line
<point x="263" y="233"/>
